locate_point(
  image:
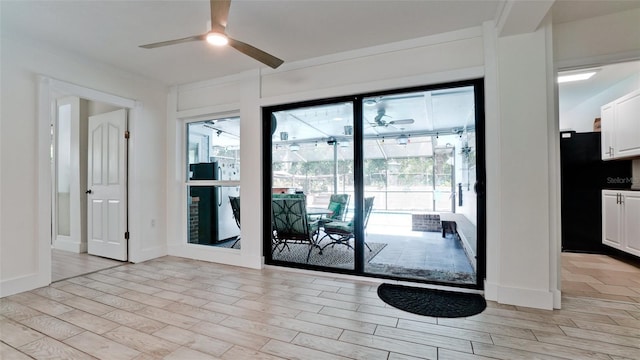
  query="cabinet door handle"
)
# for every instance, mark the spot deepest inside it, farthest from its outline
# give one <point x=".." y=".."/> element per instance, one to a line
<point x="621" y="199"/>
<point x="617" y="198"/>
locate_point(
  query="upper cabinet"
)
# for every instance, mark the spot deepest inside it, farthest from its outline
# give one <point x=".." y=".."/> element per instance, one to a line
<point x="607" y="119"/>
<point x="620" y="121"/>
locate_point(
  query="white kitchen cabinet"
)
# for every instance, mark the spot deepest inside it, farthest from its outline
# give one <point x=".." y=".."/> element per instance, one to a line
<point x="621" y="220"/>
<point x="607" y="128"/>
<point x="620" y="126"/>
<point x="611" y="218"/>
<point x="631" y="219"/>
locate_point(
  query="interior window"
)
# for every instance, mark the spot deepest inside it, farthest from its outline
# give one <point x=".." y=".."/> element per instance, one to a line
<point x="213" y="182"/>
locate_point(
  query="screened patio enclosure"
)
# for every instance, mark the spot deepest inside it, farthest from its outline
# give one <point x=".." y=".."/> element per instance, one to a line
<point x="411" y="154"/>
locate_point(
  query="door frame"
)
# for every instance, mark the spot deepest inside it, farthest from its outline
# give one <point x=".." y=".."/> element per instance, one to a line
<point x="478" y="83"/>
<point x="48" y="90"/>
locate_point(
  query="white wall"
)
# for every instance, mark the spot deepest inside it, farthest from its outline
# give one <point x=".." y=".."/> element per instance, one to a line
<point x="24" y="253"/>
<point x="238" y="94"/>
<point x="580" y="117"/>
<point x="519" y="268"/>
<point x="597" y="40"/>
<point x="453" y="56"/>
<point x="518" y="239"/>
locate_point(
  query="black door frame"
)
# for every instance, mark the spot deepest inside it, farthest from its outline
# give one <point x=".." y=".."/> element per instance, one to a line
<point x="358" y="157"/>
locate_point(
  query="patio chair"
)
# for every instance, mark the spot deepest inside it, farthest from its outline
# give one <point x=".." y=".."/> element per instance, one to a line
<point x="338" y="203"/>
<point x="235" y="208"/>
<point x="341" y="232"/>
<point x="290" y="223"/>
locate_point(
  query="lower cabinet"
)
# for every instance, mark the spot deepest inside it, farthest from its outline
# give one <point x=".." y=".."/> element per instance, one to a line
<point x="621" y="220"/>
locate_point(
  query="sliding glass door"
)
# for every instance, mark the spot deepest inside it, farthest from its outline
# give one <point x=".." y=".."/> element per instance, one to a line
<point x="386" y="184"/>
<point x="312" y="185"/>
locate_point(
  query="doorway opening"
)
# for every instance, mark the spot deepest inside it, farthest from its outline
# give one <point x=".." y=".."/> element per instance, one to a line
<point x="584" y="173"/>
<point x="88" y="163"/>
<point x="388" y="184"/>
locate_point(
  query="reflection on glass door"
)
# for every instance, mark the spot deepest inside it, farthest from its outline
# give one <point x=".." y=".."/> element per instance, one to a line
<point x="409" y="157"/>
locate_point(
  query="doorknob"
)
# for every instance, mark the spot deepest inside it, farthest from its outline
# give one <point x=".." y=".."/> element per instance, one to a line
<point x="88" y="192"/>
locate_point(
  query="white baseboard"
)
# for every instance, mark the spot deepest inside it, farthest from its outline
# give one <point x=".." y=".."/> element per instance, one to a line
<point x="71" y="246"/>
<point x="148" y="254"/>
<point x="214" y="254"/>
<point x="557" y="299"/>
<point x="538" y="299"/>
<point x="22" y="284"/>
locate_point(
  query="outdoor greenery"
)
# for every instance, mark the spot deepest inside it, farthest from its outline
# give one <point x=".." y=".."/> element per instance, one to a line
<point x="401" y="173"/>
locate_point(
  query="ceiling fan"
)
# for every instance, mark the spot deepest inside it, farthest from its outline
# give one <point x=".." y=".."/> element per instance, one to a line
<point x="217" y="36"/>
<point x="380" y="122"/>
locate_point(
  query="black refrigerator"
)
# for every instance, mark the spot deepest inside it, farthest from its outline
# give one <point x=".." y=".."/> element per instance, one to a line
<point x="583" y="176"/>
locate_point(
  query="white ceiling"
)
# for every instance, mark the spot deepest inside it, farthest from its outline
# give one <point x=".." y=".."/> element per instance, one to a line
<point x="573" y="94"/>
<point x="111" y="30"/>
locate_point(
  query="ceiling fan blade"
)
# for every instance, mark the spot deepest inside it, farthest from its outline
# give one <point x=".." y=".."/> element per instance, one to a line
<point x="256" y="53"/>
<point x="401" y="122"/>
<point x="173" y="42"/>
<point x="219" y="14"/>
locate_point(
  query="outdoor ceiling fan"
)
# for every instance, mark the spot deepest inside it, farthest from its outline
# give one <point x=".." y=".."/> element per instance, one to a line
<point x="380" y="122"/>
<point x="217" y="36"/>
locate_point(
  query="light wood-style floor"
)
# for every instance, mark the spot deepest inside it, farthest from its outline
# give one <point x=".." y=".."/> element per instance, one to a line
<point x="65" y="264"/>
<point x="173" y="308"/>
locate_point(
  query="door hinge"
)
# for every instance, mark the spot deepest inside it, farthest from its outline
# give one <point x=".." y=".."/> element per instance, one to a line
<point x="127" y="134"/>
<point x="126" y="235"/>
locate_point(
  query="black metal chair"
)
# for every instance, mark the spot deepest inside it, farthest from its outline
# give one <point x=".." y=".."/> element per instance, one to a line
<point x="235" y="207"/>
<point x="290" y="223"/>
<point x="341" y="232"/>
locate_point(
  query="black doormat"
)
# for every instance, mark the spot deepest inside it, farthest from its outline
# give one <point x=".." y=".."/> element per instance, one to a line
<point x="431" y="302"/>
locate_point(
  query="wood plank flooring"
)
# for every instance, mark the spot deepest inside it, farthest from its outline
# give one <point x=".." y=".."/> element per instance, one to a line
<point x="65" y="264"/>
<point x="174" y="308"/>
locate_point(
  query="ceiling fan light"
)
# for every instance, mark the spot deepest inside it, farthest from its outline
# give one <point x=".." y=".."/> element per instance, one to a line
<point x="217" y="39"/>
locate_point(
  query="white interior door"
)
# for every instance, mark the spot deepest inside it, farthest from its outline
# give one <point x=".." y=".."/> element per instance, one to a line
<point x="107" y="190"/>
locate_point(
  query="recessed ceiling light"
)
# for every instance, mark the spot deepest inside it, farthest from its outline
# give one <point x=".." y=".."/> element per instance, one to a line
<point x="575" y="77"/>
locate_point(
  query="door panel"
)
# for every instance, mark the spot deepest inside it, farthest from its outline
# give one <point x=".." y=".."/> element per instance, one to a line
<point x="96" y="210"/>
<point x="631" y="223"/>
<point x="107" y="184"/>
<point x="611" y="219"/>
<point x="113" y="152"/>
